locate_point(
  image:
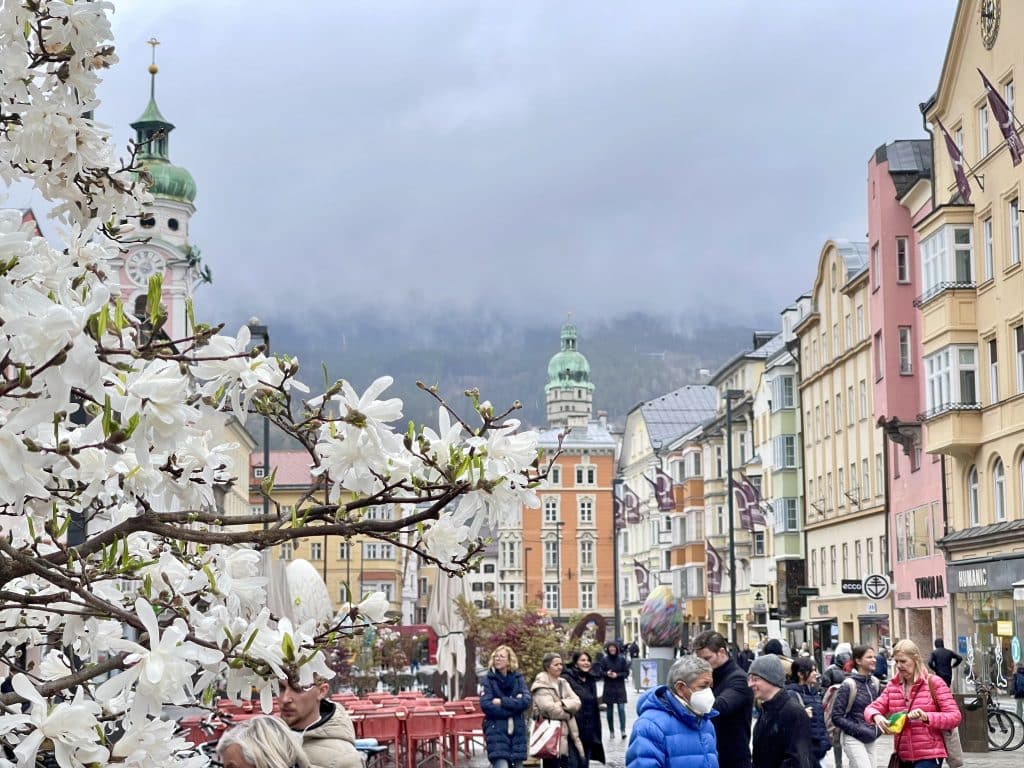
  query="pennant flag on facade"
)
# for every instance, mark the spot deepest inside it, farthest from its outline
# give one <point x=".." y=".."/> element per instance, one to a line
<point x="739" y="495"/>
<point x="643" y="579"/>
<point x="957" y="158"/>
<point x="617" y="514"/>
<point x="630" y="505"/>
<point x="714" y="568"/>
<point x="1001" y="112"/>
<point x="755" y="510"/>
<point x="664" y="491"/>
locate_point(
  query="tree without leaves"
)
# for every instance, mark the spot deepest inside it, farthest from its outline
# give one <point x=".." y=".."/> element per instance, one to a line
<point x="104" y="417"/>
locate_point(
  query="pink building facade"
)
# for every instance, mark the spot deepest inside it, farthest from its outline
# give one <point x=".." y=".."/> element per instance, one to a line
<point x="899" y="192"/>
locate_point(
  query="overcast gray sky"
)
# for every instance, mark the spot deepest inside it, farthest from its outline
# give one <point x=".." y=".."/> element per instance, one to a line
<point x="530" y="157"/>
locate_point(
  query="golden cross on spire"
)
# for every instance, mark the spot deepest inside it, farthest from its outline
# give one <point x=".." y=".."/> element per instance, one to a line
<point x="153" y="69"/>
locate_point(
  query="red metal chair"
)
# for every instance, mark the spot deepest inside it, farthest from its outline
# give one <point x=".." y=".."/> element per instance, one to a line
<point x="468" y="732"/>
<point x="386" y="728"/>
<point x="425" y="739"/>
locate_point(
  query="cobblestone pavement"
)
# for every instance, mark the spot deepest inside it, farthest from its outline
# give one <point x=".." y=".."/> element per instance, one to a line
<point x="615" y="749"/>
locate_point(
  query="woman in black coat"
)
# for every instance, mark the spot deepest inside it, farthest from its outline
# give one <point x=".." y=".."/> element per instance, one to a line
<point x="614" y="671"/>
<point x="504" y="700"/>
<point x="805" y="689"/>
<point x="579" y="674"/>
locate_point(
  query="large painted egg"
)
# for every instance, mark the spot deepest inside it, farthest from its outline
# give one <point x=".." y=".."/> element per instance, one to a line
<point x="661" y="618"/>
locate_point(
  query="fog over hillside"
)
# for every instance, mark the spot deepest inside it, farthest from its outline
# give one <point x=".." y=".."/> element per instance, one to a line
<point x="632" y="357"/>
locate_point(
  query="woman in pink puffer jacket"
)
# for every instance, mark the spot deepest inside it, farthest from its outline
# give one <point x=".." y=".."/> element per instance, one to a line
<point x="916" y="691"/>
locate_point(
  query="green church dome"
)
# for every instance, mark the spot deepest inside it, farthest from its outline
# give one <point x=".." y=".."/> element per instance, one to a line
<point x="151" y="132"/>
<point x="170" y="180"/>
<point x="568" y="368"/>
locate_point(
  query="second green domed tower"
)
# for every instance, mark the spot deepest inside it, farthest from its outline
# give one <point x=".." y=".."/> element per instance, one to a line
<point x="569" y="392"/>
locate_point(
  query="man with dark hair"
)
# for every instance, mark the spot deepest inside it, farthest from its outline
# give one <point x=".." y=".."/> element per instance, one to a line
<point x="328" y="738"/>
<point x="943" y="661"/>
<point x="734" y="701"/>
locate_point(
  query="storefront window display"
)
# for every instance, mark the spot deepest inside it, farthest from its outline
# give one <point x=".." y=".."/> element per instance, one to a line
<point x="985" y="629"/>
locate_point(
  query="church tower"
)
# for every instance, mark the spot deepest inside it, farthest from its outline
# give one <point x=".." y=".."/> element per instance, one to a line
<point x="163" y="247"/>
<point x="569" y="392"/>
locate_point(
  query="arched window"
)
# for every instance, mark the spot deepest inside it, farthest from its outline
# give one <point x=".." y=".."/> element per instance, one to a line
<point x="1020" y="489"/>
<point x="972" y="496"/>
<point x="999" y="491"/>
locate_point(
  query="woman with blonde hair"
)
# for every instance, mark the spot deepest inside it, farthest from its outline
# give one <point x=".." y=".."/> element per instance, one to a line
<point x="261" y="742"/>
<point x="504" y="701"/>
<point x="927" y="702"/>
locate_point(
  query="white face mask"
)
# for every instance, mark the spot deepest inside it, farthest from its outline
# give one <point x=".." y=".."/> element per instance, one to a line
<point x="702" y="701"/>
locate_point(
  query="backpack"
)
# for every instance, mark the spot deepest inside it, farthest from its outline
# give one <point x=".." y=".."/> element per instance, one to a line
<point x="828" y="701"/>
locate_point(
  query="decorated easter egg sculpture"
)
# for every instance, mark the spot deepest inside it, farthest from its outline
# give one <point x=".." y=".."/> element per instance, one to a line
<point x="661" y="619"/>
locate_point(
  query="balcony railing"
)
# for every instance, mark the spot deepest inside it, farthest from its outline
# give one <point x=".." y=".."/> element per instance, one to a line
<point x="938" y="288"/>
<point x="939" y="410"/>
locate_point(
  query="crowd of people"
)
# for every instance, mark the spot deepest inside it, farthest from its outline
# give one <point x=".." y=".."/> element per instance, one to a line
<point x="715" y="710"/>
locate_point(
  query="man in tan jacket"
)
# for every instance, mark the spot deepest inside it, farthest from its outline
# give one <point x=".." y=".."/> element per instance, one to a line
<point x="328" y="738"/>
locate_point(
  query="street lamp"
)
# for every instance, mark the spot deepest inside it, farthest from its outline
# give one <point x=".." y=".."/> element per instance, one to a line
<point x="730" y="395"/>
<point x="616" y="496"/>
<point x="259" y="330"/>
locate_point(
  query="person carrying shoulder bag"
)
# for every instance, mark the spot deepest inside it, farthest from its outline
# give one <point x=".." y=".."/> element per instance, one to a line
<point x="554" y="699"/>
<point x="929" y="710"/>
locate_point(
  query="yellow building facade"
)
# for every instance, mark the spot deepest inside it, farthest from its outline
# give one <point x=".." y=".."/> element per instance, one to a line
<point x="844" y="465"/>
<point x="972" y="320"/>
<point x="350" y="568"/>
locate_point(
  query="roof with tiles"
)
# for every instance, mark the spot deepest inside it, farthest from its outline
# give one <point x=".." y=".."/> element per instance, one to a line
<point x="292" y="467"/>
<point x="595" y="435"/>
<point x="672" y="415"/>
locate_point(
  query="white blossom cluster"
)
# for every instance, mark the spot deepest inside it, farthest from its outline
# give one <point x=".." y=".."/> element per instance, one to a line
<point x="98" y="421"/>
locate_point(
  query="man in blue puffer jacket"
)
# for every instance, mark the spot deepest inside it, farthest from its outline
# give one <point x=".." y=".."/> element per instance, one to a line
<point x="674" y="727"/>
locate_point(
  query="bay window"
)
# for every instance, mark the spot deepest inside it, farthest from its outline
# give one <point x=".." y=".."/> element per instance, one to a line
<point x="947" y="260"/>
<point x="951" y="379"/>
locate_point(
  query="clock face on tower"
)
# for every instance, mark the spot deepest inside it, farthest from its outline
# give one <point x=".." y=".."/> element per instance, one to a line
<point x="142" y="265"/>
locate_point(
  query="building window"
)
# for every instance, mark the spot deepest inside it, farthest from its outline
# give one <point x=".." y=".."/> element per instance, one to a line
<point x="551" y="597"/>
<point x="829" y="500"/>
<point x="586" y="474"/>
<point x="550" y="509"/>
<point x="857" y="561"/>
<point x="839" y="412"/>
<point x="993" y="370"/>
<point x="860" y="322"/>
<point x="879" y="357"/>
<point x="555" y="475"/>
<point x="586" y="597"/>
<point x="871" y="555"/>
<point x="742" y="447"/>
<point x="848" y="326"/>
<point x="782" y="393"/>
<point x="785" y="451"/>
<point x="345" y="550"/>
<point x="947" y="260"/>
<point x="1018" y="343"/>
<point x="841" y="488"/>
<point x="834" y="564"/>
<point x="586" y="511"/>
<point x="718" y="461"/>
<point x="958" y="137"/>
<point x="1008" y="96"/>
<point x="550" y="555"/>
<point x="876" y="267"/>
<point x="758" y="539"/>
<point x="817" y="423"/>
<point x="378" y="550"/>
<point x="846" y="561"/>
<point x="828" y="420"/>
<point x="721" y="521"/>
<point x="986" y="237"/>
<point x="316" y="551"/>
<point x="865" y="480"/>
<point x="851" y="406"/>
<point x="999" y="491"/>
<point x="287" y="550"/>
<point x="983" y="130"/>
<point x="951" y="379"/>
<point x="814" y="567"/>
<point x="787" y="515"/>
<point x="1020" y="489"/>
<point x="879" y="474"/>
<point x="387" y="587"/>
<point x="973" y="507"/>
<point x="1015" y="231"/>
<point x="586" y="554"/>
<point x="883" y="553"/>
<point x="906" y="351"/>
<point x="902" y="260"/>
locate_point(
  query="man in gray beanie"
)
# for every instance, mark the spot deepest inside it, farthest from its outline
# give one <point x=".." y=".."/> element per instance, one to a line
<point x="782" y="736"/>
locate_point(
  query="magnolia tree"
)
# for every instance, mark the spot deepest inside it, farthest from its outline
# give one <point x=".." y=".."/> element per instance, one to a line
<point x="107" y="422"/>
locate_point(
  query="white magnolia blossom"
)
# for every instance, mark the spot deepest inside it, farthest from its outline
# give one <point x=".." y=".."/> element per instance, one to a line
<point x="102" y="427"/>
